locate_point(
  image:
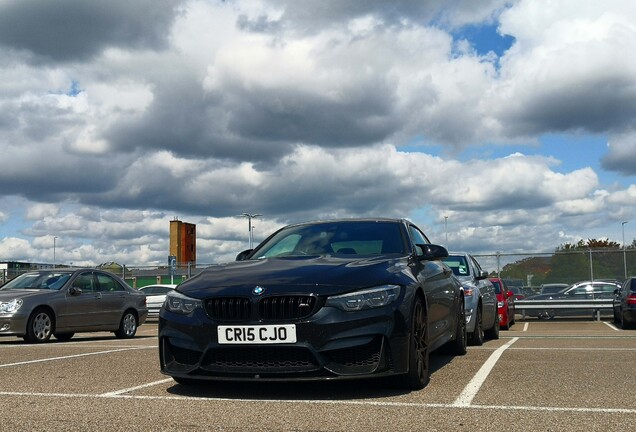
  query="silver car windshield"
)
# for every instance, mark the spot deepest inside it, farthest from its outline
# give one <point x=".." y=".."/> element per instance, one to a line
<point x="39" y="280"/>
<point x="458" y="265"/>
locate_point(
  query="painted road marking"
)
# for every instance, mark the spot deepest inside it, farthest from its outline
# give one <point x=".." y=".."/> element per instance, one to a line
<point x="72" y="356"/>
<point x="470" y="391"/>
<point x="387" y="404"/>
<point x="139" y="387"/>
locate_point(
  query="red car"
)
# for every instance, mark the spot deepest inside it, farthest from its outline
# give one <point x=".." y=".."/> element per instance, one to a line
<point x="505" y="303"/>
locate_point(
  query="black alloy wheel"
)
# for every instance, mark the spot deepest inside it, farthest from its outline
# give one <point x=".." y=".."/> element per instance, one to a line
<point x="418" y="375"/>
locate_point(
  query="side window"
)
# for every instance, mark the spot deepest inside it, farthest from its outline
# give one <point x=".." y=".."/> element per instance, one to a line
<point x="476" y="266"/>
<point x="107" y="283"/>
<point x="607" y="288"/>
<point x="85" y="282"/>
<point x="418" y="238"/>
<point x="582" y="290"/>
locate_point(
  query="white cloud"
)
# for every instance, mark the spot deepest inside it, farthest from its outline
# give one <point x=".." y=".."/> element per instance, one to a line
<point x="307" y="111"/>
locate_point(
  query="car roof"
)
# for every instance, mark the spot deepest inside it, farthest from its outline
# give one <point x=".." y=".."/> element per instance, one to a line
<point x="326" y="221"/>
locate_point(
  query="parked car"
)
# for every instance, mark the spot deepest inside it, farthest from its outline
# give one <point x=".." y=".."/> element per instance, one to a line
<point x="553" y="288"/>
<point x="517" y="293"/>
<point x="578" y="291"/>
<point x="505" y="303"/>
<point x="62" y="302"/>
<point x="155" y="296"/>
<point x="625" y="304"/>
<point x="482" y="318"/>
<point x="319" y="300"/>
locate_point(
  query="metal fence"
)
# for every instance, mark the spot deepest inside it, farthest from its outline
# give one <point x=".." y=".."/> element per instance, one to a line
<point x="527" y="269"/>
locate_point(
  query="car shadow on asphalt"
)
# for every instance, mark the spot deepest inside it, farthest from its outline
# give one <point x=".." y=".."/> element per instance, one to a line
<point x="348" y="389"/>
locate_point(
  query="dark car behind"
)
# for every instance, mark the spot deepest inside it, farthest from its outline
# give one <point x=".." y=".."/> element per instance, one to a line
<point x="585" y="290"/>
<point x="625" y="304"/>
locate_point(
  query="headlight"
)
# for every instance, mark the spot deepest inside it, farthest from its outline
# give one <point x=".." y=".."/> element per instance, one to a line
<point x="365" y="299"/>
<point x="500" y="303"/>
<point x="179" y="303"/>
<point x="10" y="306"/>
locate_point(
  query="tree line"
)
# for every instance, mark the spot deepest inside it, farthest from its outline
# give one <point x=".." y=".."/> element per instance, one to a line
<point x="570" y="263"/>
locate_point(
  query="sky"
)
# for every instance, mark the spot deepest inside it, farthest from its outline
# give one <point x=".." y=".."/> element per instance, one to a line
<point x="494" y="125"/>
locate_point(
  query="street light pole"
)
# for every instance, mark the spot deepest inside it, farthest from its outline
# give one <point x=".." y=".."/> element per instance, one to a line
<point x="624" y="253"/>
<point x="249" y="224"/>
<point x="54" y="238"/>
<point x="446" y="230"/>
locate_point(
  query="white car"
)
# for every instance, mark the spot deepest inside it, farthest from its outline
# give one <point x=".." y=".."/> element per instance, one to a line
<point x="155" y="296"/>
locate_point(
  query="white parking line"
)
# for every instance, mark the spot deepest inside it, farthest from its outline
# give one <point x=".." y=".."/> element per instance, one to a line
<point x="72" y="356"/>
<point x="612" y="326"/>
<point x="470" y="391"/>
<point x="525" y="326"/>
<point x="120" y="392"/>
<point x="387" y="404"/>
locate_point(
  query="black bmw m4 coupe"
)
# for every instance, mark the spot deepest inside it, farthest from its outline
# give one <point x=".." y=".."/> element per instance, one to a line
<point x="339" y="299"/>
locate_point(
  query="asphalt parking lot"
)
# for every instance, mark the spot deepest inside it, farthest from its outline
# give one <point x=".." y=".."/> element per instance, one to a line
<point x="541" y="376"/>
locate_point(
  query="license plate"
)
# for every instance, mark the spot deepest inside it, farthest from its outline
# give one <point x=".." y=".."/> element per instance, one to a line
<point x="264" y="334"/>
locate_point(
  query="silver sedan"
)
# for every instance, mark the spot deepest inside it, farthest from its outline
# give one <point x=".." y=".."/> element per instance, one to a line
<point x="62" y="302"/>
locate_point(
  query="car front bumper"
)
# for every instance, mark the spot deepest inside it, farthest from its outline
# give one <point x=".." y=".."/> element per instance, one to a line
<point x="331" y="344"/>
<point x="13" y="324"/>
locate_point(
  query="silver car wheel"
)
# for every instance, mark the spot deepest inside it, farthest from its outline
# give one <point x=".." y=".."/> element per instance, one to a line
<point x="127" y="326"/>
<point x="130" y="324"/>
<point x="42" y="326"/>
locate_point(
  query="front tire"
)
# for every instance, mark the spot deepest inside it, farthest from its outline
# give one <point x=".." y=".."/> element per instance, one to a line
<point x="477" y="336"/>
<point x="457" y="347"/>
<point x="127" y="326"/>
<point x="493" y="332"/>
<point x="418" y="375"/>
<point x="39" y="326"/>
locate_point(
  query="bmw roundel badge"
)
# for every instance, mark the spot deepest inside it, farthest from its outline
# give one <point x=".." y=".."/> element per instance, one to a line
<point x="258" y="290"/>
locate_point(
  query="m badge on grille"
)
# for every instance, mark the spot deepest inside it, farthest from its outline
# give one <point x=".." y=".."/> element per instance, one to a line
<point x="258" y="290"/>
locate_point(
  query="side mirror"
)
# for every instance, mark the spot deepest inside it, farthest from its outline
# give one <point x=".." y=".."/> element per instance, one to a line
<point x="510" y="294"/>
<point x="432" y="252"/>
<point x="75" y="291"/>
<point x="482" y="275"/>
<point x="242" y="256"/>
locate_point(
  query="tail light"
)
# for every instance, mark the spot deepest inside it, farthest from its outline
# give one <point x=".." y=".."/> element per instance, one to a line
<point x="631" y="299"/>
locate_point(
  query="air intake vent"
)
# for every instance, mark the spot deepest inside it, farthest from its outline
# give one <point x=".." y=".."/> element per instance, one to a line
<point x="229" y="308"/>
<point x="286" y="307"/>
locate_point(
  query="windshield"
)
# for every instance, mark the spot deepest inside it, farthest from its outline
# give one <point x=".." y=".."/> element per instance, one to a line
<point x="38" y="280"/>
<point x="335" y="238"/>
<point x="458" y="265"/>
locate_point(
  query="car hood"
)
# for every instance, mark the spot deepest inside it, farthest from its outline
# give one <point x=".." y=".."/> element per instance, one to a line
<point x="6" y="295"/>
<point x="324" y="274"/>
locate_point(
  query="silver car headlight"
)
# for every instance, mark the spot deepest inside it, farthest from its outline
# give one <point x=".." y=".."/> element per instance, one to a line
<point x="182" y="304"/>
<point x="11" y="306"/>
<point x="365" y="299"/>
